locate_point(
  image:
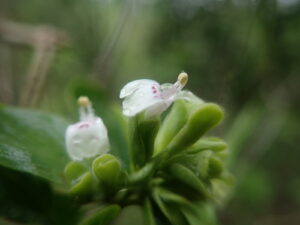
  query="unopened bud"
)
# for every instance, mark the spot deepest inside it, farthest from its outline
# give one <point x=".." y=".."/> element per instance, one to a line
<point x="107" y="169"/>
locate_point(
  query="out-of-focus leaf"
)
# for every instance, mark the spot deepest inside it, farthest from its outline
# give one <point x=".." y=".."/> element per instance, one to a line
<point x="186" y="176"/>
<point x="200" y="214"/>
<point x="33" y="142"/>
<point x="103" y="216"/>
<point x="208" y="143"/>
<point x="130" y="215"/>
<point x="170" y="211"/>
<point x="242" y="130"/>
<point x="149" y="217"/>
<point x="142" y="134"/>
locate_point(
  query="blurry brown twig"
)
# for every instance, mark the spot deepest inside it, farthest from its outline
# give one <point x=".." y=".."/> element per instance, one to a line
<point x="6" y="83"/>
<point x="44" y="40"/>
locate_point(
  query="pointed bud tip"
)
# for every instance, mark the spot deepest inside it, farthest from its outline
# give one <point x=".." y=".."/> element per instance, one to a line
<point x="84" y="101"/>
<point x="183" y="78"/>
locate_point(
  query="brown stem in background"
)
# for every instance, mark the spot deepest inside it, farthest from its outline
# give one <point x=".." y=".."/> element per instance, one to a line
<point x="6" y="87"/>
<point x="44" y="51"/>
<point x="44" y="40"/>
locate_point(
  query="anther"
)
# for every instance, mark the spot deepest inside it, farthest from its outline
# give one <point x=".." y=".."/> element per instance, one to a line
<point x="183" y="78"/>
<point x="84" y="101"/>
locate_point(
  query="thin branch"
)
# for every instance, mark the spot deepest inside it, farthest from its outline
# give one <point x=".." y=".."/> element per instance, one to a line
<point x="44" y="40"/>
<point x="6" y="87"/>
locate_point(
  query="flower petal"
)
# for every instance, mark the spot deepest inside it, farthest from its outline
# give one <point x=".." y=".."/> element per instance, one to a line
<point x="143" y="96"/>
<point x="87" y="139"/>
<point x="132" y="86"/>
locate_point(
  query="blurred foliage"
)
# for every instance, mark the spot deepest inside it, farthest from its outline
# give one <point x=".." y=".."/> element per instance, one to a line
<point x="242" y="54"/>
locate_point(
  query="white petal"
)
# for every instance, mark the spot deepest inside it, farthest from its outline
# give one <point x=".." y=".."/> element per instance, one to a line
<point x="132" y="86"/>
<point x="87" y="139"/>
<point x="157" y="108"/>
<point x="142" y="98"/>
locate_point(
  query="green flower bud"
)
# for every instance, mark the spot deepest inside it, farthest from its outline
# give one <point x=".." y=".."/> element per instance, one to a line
<point x="215" y="167"/>
<point x="107" y="169"/>
<point x="74" y="170"/>
<point x="86" y="184"/>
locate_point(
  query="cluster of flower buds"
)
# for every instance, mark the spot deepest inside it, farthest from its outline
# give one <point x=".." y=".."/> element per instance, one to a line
<point x="173" y="167"/>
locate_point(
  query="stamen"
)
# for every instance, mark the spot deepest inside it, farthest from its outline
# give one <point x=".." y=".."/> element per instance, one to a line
<point x="86" y="111"/>
<point x="181" y="81"/>
<point x="183" y="78"/>
<point x="84" y="101"/>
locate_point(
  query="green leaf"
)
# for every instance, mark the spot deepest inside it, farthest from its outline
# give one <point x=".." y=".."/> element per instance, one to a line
<point x="200" y="214"/>
<point x="130" y="215"/>
<point x="203" y="163"/>
<point x="170" y="211"/>
<point x="142" y="134"/>
<point x="202" y="119"/>
<point x="33" y="142"/>
<point x="244" y="127"/>
<point x="172" y="198"/>
<point x="208" y="143"/>
<point x="143" y="175"/>
<point x="171" y="125"/>
<point x="187" y="177"/>
<point x="215" y="168"/>
<point x="103" y="216"/>
<point x="149" y="217"/>
<point x="222" y="187"/>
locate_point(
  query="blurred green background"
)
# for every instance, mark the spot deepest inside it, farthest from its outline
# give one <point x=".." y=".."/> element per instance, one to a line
<point x="241" y="54"/>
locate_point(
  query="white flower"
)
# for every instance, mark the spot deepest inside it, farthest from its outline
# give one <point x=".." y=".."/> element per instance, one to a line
<point x="151" y="97"/>
<point x="88" y="137"/>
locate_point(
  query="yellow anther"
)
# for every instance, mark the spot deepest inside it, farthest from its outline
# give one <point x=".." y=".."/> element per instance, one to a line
<point x="183" y="78"/>
<point x="84" y="101"/>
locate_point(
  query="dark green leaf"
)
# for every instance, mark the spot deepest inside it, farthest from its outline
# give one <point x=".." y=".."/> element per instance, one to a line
<point x="205" y="117"/>
<point x="33" y="142"/>
<point x="149" y="217"/>
<point x="141" y="134"/>
<point x="172" y="124"/>
<point x="170" y="211"/>
<point x="130" y="215"/>
<point x="103" y="216"/>
<point x="208" y="143"/>
<point x="186" y="176"/>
